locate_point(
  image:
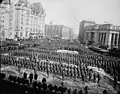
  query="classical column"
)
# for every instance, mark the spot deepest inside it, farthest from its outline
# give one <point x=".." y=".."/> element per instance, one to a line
<point x="85" y="36"/>
<point x="96" y="37"/>
<point x="117" y="39"/>
<point x="100" y="38"/>
<point x="113" y="39"/>
<point x="103" y="37"/>
<point x="109" y="40"/>
<point x="88" y="36"/>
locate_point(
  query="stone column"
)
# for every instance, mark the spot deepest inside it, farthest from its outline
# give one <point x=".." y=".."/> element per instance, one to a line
<point x="100" y="38"/>
<point x="103" y="37"/>
<point x="114" y="39"/>
<point x="109" y="40"/>
<point x="85" y="36"/>
<point x="117" y="39"/>
<point x="97" y="37"/>
<point x="89" y="35"/>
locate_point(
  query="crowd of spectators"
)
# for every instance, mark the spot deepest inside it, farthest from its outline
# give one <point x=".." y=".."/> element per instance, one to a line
<point x="24" y="85"/>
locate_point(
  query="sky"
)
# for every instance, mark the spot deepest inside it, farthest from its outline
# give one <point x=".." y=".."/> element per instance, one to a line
<point x="72" y="12"/>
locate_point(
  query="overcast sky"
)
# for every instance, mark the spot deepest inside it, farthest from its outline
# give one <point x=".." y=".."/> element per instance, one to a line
<point x="71" y="12"/>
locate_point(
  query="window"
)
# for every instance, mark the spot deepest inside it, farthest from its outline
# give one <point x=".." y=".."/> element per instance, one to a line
<point x="16" y="33"/>
<point x="21" y="34"/>
<point x="10" y="28"/>
<point x="21" y="22"/>
<point x="3" y="33"/>
<point x="10" y="33"/>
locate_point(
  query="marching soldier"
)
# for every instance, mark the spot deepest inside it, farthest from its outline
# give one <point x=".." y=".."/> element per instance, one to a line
<point x="98" y="81"/>
<point x="35" y="76"/>
<point x="115" y="81"/>
<point x="31" y="77"/>
<point x="94" y="77"/>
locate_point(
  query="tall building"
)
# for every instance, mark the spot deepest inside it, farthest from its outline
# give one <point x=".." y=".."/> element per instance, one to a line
<point x="82" y="26"/>
<point x="6" y="21"/>
<point x="106" y="35"/>
<point x="58" y="31"/>
<point x="22" y="20"/>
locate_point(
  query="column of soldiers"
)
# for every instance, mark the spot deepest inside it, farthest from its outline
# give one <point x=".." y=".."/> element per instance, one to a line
<point x="106" y="63"/>
<point x="77" y="72"/>
<point x="110" y="66"/>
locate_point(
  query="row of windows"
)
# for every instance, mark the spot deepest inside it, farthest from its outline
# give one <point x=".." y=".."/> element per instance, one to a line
<point x="3" y="33"/>
<point x="32" y="24"/>
<point x="31" y="17"/>
<point x="2" y="26"/>
<point x="2" y="21"/>
<point x="2" y="17"/>
<point x="32" y="29"/>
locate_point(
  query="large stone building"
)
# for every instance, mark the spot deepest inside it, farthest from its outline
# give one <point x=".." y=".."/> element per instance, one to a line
<point x="21" y="20"/>
<point x="82" y="26"/>
<point x="119" y="40"/>
<point x="106" y="35"/>
<point x="58" y="31"/>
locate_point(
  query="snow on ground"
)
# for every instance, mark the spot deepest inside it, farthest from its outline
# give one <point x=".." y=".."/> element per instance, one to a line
<point x="67" y="51"/>
<point x="56" y="80"/>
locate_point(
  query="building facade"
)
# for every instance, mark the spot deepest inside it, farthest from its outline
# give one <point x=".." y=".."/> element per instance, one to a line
<point x="106" y="35"/>
<point x="119" y="40"/>
<point x="82" y="26"/>
<point x="58" y="31"/>
<point x="22" y="20"/>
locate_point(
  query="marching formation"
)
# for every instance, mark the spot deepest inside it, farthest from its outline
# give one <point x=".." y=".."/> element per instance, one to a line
<point x="65" y="70"/>
<point x="75" y="66"/>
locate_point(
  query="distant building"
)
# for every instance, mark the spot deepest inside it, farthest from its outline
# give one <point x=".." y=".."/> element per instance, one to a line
<point x="67" y="32"/>
<point x="58" y="31"/>
<point x="106" y="35"/>
<point x="119" y="40"/>
<point x="82" y="26"/>
<point x="22" y="20"/>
